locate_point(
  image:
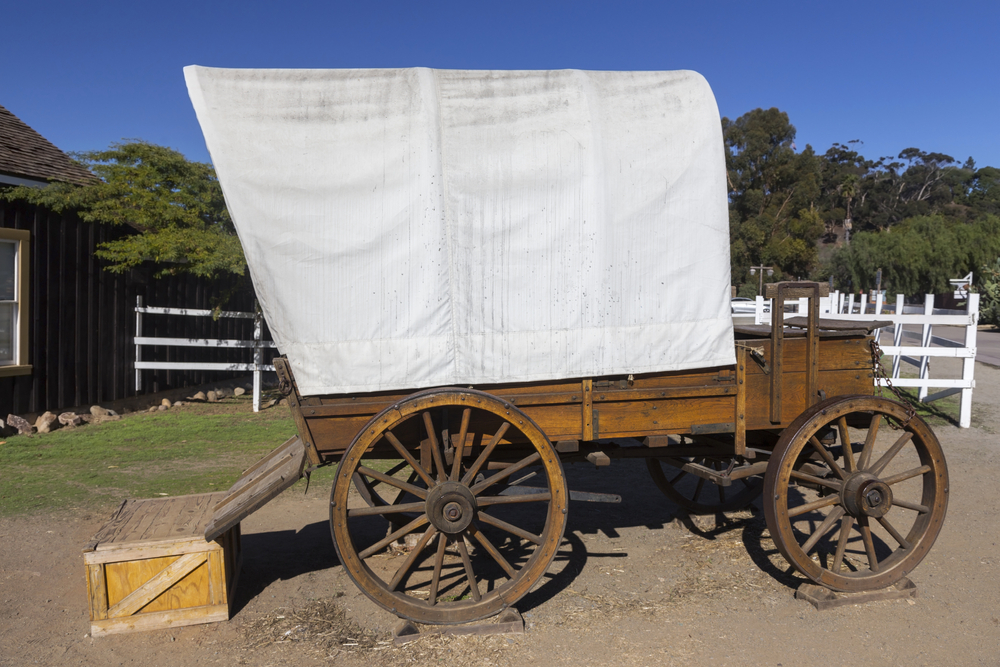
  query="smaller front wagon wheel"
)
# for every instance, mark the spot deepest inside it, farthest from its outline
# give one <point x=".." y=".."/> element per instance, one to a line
<point x="859" y="513"/>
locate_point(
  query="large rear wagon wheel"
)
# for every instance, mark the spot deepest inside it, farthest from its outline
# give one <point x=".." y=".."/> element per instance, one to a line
<point x="861" y="514"/>
<point x="484" y="496"/>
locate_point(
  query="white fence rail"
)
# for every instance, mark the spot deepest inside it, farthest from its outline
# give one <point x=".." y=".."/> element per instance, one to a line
<point x="257" y="366"/>
<point x="925" y="344"/>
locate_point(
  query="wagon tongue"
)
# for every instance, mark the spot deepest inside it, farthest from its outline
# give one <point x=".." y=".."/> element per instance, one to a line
<point x="260" y="483"/>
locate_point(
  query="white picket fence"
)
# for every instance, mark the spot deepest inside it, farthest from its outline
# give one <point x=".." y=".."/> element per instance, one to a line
<point x="257" y="366"/>
<point x="923" y="345"/>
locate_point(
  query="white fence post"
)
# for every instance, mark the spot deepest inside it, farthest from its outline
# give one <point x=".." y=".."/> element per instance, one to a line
<point x="897" y="334"/>
<point x="258" y="359"/>
<point x="925" y="341"/>
<point x="969" y="363"/>
<point x="758" y="311"/>
<point x="138" y="349"/>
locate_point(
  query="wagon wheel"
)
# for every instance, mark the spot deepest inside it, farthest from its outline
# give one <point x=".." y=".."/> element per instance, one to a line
<point x="862" y="514"/>
<point x="696" y="494"/>
<point x="474" y="547"/>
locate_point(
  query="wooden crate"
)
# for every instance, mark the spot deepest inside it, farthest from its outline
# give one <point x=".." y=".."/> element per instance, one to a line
<point x="150" y="566"/>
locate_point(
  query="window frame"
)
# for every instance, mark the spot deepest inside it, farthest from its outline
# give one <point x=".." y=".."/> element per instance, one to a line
<point x="22" y="253"/>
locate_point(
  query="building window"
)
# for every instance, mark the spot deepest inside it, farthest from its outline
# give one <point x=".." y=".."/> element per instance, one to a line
<point x="14" y="252"/>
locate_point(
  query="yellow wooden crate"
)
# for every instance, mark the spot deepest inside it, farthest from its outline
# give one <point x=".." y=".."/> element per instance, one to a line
<point x="150" y="566"/>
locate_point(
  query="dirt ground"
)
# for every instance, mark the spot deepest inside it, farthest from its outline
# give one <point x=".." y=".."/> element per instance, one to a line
<point x="638" y="583"/>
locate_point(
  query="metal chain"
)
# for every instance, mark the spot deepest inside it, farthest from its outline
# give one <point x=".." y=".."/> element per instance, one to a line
<point x="880" y="373"/>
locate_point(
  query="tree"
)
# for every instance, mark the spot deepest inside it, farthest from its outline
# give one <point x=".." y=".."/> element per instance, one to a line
<point x="175" y="207"/>
<point x="919" y="255"/>
<point x="772" y="194"/>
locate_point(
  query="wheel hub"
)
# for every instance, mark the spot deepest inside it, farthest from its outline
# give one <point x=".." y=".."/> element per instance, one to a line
<point x="865" y="494"/>
<point x="451" y="507"/>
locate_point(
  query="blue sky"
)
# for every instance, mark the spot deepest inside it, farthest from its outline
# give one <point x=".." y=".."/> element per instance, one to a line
<point x="893" y="74"/>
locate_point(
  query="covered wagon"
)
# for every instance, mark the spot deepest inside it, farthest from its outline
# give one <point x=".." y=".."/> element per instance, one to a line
<point x="476" y="276"/>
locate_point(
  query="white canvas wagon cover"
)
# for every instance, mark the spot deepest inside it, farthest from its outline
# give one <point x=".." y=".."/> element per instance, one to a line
<point x="410" y="228"/>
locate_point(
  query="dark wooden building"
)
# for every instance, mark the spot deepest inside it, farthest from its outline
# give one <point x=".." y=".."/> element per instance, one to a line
<point x="66" y="325"/>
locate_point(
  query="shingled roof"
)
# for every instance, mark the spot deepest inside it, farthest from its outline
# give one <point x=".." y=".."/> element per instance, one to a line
<point x="27" y="154"/>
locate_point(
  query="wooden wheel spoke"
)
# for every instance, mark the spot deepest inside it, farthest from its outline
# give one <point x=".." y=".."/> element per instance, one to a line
<point x="510" y="528"/>
<point x="392" y="481"/>
<point x="435" y="447"/>
<point x="916" y="507"/>
<point x="378" y="510"/>
<point x="845" y="444"/>
<point x="818" y="446"/>
<point x="889" y="528"/>
<point x="823" y="529"/>
<point x="470" y="575"/>
<point x="486" y="501"/>
<point x="899" y="477"/>
<point x="866" y="537"/>
<point x="814" y="505"/>
<point x="412" y="558"/>
<point x="676" y="479"/>
<point x="392" y="537"/>
<point x="474" y="469"/>
<point x="880" y="465"/>
<point x="438" y="563"/>
<point x="419" y="469"/>
<point x="866" y="453"/>
<point x="505" y="473"/>
<point x="845" y="534"/>
<point x="828" y="483"/>
<point x="463" y="433"/>
<point x="698" y="487"/>
<point x="492" y="550"/>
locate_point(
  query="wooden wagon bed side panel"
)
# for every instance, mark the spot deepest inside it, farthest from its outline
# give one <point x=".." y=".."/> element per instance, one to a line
<point x="833" y="383"/>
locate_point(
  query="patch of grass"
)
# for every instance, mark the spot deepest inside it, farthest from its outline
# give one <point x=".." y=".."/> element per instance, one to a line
<point x="192" y="449"/>
<point x="940" y="412"/>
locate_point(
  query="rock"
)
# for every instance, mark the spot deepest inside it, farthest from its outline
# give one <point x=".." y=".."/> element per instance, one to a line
<point x="21" y="424"/>
<point x="213" y="397"/>
<point x="98" y="411"/>
<point x="239" y="391"/>
<point x="283" y="402"/>
<point x="166" y="402"/>
<point x="162" y="408"/>
<point x="46" y="422"/>
<point x="178" y="404"/>
<point x="200" y="396"/>
<point x="70" y="419"/>
<point x="154" y="408"/>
